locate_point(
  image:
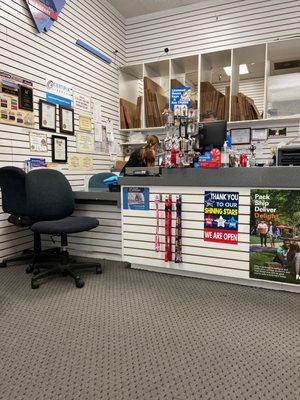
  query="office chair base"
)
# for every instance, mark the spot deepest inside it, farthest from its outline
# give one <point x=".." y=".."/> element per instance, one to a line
<point x="65" y="269"/>
<point x="13" y="259"/>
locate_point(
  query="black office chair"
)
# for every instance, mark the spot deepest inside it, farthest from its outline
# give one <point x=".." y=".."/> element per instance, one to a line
<point x="96" y="181"/>
<point x="50" y="202"/>
<point x="12" y="183"/>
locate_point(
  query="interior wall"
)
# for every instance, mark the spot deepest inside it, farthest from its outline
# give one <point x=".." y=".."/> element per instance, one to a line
<point x="209" y="26"/>
<point x="33" y="55"/>
<point x="214" y="25"/>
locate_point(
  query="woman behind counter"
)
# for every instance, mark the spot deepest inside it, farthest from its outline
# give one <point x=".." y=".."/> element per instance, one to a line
<point x="144" y="156"/>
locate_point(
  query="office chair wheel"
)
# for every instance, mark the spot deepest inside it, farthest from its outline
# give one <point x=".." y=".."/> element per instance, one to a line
<point x="3" y="264"/>
<point x="98" y="270"/>
<point x="34" y="285"/>
<point x="79" y="283"/>
<point x="29" y="269"/>
<point x="36" y="271"/>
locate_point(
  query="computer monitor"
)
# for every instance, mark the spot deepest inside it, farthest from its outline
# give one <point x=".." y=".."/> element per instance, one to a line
<point x="212" y="134"/>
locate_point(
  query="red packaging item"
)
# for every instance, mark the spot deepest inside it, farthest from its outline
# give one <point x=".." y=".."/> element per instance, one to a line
<point x="243" y="160"/>
<point x="215" y="160"/>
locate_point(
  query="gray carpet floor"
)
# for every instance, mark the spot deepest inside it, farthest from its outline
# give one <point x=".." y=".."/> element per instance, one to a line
<point x="135" y="335"/>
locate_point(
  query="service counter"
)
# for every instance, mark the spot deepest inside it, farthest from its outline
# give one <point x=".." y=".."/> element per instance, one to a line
<point x="210" y="257"/>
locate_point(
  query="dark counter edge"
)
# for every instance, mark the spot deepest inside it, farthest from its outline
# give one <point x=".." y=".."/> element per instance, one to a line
<point x="98" y="197"/>
<point x="258" y="177"/>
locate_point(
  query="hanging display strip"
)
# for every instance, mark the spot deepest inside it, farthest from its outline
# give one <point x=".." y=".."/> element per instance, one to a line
<point x="168" y="228"/>
<point x="157" y="238"/>
<point x="178" y="231"/>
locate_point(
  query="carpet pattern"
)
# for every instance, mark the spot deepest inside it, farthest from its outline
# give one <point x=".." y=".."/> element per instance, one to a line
<point x="137" y="335"/>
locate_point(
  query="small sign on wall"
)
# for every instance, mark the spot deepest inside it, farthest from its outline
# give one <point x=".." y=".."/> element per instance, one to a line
<point x="136" y="198"/>
<point x="221" y="215"/>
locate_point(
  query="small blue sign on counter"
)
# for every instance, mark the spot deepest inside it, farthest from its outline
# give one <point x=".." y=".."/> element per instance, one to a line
<point x="136" y="198"/>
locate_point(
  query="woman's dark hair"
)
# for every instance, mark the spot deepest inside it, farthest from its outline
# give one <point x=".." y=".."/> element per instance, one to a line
<point x="209" y="114"/>
<point x="147" y="154"/>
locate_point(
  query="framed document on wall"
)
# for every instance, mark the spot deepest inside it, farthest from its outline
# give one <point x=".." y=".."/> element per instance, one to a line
<point x="59" y="149"/>
<point x="241" y="136"/>
<point x="47" y="117"/>
<point x="66" y="120"/>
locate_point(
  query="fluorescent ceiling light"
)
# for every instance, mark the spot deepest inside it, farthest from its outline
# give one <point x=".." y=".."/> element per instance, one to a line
<point x="243" y="70"/>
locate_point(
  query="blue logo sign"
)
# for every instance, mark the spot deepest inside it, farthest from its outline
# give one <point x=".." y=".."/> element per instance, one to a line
<point x="45" y="12"/>
<point x="55" y="99"/>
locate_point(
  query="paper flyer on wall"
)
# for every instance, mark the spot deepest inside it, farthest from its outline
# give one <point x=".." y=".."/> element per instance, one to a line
<point x="38" y="142"/>
<point x="97" y="114"/>
<point x="82" y="101"/>
<point x="85" y="142"/>
<point x="275" y="235"/>
<point x="80" y="162"/>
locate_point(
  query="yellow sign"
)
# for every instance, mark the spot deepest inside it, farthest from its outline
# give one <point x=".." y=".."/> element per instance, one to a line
<point x="85" y="123"/>
<point x="79" y="162"/>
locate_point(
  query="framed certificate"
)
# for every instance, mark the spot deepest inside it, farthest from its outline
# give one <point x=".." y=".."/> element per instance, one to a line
<point x="59" y="149"/>
<point x="241" y="136"/>
<point x="66" y="120"/>
<point x="47" y="117"/>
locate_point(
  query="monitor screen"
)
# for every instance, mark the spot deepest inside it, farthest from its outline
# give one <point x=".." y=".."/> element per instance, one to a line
<point x="212" y="134"/>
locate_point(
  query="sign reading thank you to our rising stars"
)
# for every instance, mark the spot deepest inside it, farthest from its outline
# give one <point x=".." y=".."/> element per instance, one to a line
<point x="221" y="217"/>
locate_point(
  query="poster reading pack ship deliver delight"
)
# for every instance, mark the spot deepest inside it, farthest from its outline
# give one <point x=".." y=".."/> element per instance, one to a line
<point x="275" y="235"/>
<point x="221" y="216"/>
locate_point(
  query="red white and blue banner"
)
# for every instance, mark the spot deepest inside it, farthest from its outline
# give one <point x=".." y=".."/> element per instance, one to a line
<point x="221" y="217"/>
<point x="45" y="12"/>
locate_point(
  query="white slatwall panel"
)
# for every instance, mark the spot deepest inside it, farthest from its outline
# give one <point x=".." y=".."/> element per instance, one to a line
<point x="210" y="25"/>
<point x="253" y="88"/>
<point x="25" y="52"/>
<point x="104" y="242"/>
<point x="214" y="25"/>
<point x="198" y="255"/>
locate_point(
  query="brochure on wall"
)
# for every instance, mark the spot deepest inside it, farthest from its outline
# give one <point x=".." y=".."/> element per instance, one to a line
<point x="275" y="235"/>
<point x="97" y="112"/>
<point x="79" y="162"/>
<point x="136" y="198"/>
<point x="103" y="138"/>
<point x="221" y="215"/>
<point x="38" y="142"/>
<point x="85" y="142"/>
<point x="82" y="102"/>
<point x="59" y="92"/>
<point x="16" y="100"/>
<point x="180" y="100"/>
<point x="85" y="123"/>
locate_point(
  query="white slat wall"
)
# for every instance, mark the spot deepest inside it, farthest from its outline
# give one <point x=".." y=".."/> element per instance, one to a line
<point x="198" y="255"/>
<point x="210" y="25"/>
<point x="104" y="242"/>
<point x="25" y="52"/>
<point x="214" y="25"/>
<point x="253" y="88"/>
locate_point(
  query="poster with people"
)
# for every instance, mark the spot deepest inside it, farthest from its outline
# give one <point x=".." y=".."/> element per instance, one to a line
<point x="275" y="235"/>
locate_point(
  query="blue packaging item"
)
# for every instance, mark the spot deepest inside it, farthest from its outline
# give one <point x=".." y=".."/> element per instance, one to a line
<point x="205" y="157"/>
<point x="111" y="180"/>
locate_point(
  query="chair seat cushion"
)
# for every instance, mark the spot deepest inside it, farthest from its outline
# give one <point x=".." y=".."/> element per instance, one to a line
<point x="65" y="225"/>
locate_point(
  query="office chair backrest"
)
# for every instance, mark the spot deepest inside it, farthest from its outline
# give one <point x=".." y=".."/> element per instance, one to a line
<point x="96" y="181"/>
<point x="49" y="195"/>
<point x="12" y="182"/>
